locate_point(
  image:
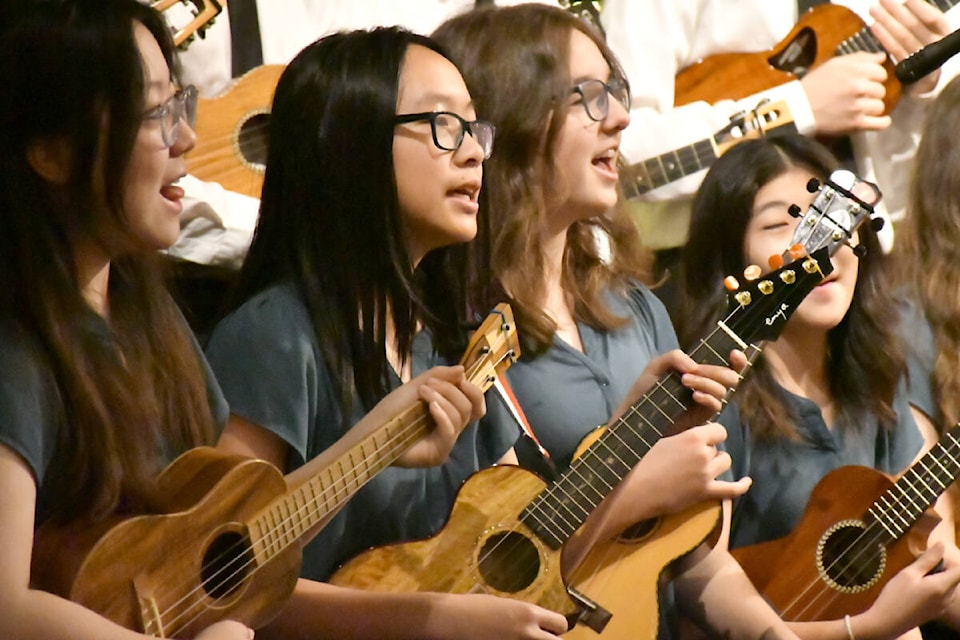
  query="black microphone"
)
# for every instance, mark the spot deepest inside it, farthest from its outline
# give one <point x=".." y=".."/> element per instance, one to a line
<point x="928" y="59"/>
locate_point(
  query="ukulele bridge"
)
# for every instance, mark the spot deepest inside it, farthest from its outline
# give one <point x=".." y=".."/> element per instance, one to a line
<point x="591" y="614"/>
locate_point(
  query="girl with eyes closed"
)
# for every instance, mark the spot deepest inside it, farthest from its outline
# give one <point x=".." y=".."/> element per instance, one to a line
<point x="829" y="391"/>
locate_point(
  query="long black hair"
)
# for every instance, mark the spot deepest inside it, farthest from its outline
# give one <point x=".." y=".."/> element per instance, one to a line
<point x="72" y="75"/>
<point x="330" y="215"/>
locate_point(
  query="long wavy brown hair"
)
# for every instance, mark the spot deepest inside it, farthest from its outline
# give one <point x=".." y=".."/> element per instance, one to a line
<point x="515" y="61"/>
<point x="928" y="244"/>
<point x="864" y="356"/>
<point x="125" y="394"/>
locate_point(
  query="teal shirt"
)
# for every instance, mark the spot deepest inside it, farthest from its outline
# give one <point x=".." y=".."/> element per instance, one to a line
<point x="31" y="408"/>
<point x="785" y="471"/>
<point x="269" y="364"/>
<point x="565" y="393"/>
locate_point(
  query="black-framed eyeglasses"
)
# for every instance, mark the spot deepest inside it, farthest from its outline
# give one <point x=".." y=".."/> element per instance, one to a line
<point x="594" y="96"/>
<point x="449" y="128"/>
<point x="182" y="104"/>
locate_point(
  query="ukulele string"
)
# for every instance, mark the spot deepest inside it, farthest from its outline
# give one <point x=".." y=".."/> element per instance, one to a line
<point x="572" y="520"/>
<point x="613" y="553"/>
<point x="341" y="494"/>
<point x="869" y="543"/>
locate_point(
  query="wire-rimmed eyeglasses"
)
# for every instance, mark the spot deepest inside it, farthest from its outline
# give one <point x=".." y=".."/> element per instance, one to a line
<point x="449" y="128"/>
<point x="182" y="104"/>
<point x="594" y="96"/>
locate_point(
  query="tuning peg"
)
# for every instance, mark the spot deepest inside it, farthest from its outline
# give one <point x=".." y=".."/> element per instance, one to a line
<point x="877" y="223"/>
<point x="860" y="250"/>
<point x="794" y="210"/>
<point x="775" y="261"/>
<point x="797" y="251"/>
<point x="813" y="185"/>
<point x="752" y="272"/>
<point x="730" y="283"/>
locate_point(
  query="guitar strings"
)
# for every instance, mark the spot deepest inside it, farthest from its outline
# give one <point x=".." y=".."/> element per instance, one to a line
<point x="555" y="488"/>
<point x="395" y="446"/>
<point x="658" y="386"/>
<point x="870" y="540"/>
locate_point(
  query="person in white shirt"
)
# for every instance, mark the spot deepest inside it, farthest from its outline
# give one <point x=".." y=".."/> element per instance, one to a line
<point x="656" y="39"/>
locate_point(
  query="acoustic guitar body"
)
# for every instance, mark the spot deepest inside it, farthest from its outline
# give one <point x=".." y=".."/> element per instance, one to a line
<point x="483" y="548"/>
<point x="827" y="568"/>
<point x="623" y="575"/>
<point x="232" y="131"/>
<point x="816" y="38"/>
<point x="206" y="572"/>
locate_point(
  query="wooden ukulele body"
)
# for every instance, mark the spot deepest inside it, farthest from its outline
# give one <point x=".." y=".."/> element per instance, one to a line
<point x="813" y="40"/>
<point x="124" y="578"/>
<point x="804" y="577"/>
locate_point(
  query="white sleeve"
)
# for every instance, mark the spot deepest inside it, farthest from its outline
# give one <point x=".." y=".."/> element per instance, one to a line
<point x="654" y="40"/>
<point x="216" y="225"/>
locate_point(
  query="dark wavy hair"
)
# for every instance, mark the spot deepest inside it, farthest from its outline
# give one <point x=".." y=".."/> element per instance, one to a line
<point x="516" y="63"/>
<point x="330" y="214"/>
<point x="928" y="244"/>
<point x="864" y="356"/>
<point x="72" y="73"/>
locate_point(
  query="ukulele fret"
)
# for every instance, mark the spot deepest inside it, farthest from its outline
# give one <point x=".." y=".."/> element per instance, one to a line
<point x="901" y="505"/>
<point x="862" y="40"/>
<point x="661" y="170"/>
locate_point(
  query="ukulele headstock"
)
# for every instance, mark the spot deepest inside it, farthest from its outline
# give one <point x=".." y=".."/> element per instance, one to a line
<point x="757" y="122"/>
<point x="493" y="347"/>
<point x="203" y="13"/>
<point x="843" y="203"/>
<point x="759" y="309"/>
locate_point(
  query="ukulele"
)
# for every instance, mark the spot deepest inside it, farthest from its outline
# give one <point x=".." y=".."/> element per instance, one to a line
<point x="229" y="545"/>
<point x="232" y="132"/>
<point x="204" y="12"/>
<point x="506" y="532"/>
<point x="639" y="178"/>
<point x="824" y="31"/>
<point x="854" y="535"/>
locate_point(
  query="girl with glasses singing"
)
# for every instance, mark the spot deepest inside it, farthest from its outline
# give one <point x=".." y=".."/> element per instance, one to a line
<point x="593" y="337"/>
<point x="100" y="378"/>
<point x="375" y="162"/>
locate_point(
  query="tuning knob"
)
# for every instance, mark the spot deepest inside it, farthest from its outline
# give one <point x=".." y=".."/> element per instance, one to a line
<point x="752" y="272"/>
<point x="813" y="185"/>
<point x="860" y="250"/>
<point x="730" y="283"/>
<point x="797" y="251"/>
<point x="794" y="210"/>
<point x="877" y="223"/>
<point x="775" y="261"/>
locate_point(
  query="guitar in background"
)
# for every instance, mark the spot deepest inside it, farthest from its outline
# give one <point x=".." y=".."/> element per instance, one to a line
<point x="638" y="178"/>
<point x="203" y="13"/>
<point x="825" y="31"/>
<point x="232" y="132"/>
<point x="229" y="542"/>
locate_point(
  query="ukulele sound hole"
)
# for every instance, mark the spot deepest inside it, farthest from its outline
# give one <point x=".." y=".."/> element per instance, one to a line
<point x="509" y="562"/>
<point x="849" y="559"/>
<point x="226" y="563"/>
<point x="799" y="55"/>
<point x="639" y="531"/>
<point x="252" y="141"/>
